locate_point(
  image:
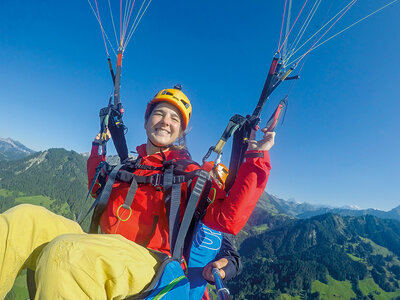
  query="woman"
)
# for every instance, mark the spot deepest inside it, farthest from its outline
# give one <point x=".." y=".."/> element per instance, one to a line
<point x="73" y="265"/>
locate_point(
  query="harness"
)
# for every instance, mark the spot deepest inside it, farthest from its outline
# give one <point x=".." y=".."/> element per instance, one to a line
<point x="171" y="176"/>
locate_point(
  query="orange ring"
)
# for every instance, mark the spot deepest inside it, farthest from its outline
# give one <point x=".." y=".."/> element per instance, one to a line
<point x="124" y="220"/>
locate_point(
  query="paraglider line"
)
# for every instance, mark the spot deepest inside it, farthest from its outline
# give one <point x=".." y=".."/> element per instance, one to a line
<point x="327" y="31"/>
<point x="135" y="24"/>
<point x="120" y="20"/>
<point x="292" y="26"/>
<point x="355" y="23"/>
<point x="283" y="20"/>
<point x="112" y="20"/>
<point x="303" y="28"/>
<point x="333" y="18"/>
<point x="102" y="30"/>
<point x="127" y="23"/>
<point x="125" y="18"/>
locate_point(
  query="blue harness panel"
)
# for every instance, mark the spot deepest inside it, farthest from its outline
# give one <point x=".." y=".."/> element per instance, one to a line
<point x="206" y="245"/>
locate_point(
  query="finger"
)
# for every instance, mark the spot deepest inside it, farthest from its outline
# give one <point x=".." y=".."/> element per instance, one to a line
<point x="222" y="273"/>
<point x="207" y="273"/>
<point x="269" y="135"/>
<point x="220" y="263"/>
<point x="252" y="135"/>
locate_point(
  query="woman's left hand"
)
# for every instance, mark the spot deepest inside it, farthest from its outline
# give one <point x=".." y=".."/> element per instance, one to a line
<point x="219" y="264"/>
<point x="265" y="144"/>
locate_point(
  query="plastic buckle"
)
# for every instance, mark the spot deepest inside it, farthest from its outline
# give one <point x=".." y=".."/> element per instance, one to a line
<point x="179" y="179"/>
<point x="156" y="179"/>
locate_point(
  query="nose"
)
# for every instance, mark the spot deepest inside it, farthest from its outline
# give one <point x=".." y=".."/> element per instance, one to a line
<point x="166" y="119"/>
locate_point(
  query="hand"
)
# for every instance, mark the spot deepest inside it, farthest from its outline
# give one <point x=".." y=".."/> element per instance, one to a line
<point x="98" y="139"/>
<point x="265" y="144"/>
<point x="219" y="264"/>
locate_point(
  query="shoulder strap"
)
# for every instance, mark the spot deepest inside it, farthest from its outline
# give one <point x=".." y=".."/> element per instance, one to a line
<point x="102" y="199"/>
<point x="102" y="166"/>
<point x="203" y="180"/>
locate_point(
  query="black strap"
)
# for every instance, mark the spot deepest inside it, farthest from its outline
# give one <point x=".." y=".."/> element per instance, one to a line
<point x="153" y="229"/>
<point x="102" y="200"/>
<point x="254" y="154"/>
<point x="101" y="166"/>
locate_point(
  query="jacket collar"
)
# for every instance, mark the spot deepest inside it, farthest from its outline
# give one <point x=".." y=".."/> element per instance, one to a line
<point x="158" y="157"/>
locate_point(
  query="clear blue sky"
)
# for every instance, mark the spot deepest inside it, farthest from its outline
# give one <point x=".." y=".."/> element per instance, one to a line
<point x="339" y="144"/>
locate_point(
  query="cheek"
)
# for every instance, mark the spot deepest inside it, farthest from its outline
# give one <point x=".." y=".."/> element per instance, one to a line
<point x="177" y="128"/>
<point x="153" y="120"/>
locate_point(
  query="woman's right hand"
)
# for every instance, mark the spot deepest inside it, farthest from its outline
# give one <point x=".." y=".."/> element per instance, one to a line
<point x="106" y="137"/>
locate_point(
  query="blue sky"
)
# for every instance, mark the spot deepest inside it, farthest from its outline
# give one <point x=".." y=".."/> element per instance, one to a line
<point x="339" y="142"/>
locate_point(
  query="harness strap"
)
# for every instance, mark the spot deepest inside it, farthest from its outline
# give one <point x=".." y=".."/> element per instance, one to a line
<point x="257" y="154"/>
<point x="102" y="199"/>
<point x="131" y="194"/>
<point x="197" y="191"/>
<point x="174" y="213"/>
<point x="170" y="202"/>
<point x="155" y="179"/>
<point x="102" y="166"/>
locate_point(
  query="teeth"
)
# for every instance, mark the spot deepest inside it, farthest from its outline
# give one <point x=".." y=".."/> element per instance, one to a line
<point x="162" y="130"/>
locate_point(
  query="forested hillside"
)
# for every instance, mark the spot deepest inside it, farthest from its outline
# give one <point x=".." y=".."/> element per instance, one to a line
<point x="55" y="178"/>
<point x="290" y="258"/>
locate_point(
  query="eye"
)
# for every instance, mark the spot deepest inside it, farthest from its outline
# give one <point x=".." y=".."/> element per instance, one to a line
<point x="176" y="119"/>
<point x="157" y="113"/>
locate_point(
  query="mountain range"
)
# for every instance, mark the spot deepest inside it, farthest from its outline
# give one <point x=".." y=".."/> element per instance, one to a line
<point x="305" y="210"/>
<point x="289" y="250"/>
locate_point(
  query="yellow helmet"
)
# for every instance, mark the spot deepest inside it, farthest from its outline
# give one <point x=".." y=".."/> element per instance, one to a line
<point x="175" y="97"/>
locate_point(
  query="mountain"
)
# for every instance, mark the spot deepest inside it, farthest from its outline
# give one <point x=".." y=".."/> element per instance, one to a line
<point x="12" y="150"/>
<point x="55" y="178"/>
<point x="306" y="210"/>
<point x="302" y="255"/>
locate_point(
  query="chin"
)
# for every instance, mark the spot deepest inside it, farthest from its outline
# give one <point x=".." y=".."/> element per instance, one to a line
<point x="161" y="142"/>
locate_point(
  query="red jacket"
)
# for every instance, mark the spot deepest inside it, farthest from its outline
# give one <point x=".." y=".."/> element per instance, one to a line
<point x="147" y="225"/>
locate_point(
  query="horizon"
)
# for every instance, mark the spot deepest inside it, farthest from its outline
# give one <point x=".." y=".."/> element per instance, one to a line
<point x="293" y="200"/>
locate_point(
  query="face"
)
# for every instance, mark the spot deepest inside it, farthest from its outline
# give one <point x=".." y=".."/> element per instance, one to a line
<point x="164" y="124"/>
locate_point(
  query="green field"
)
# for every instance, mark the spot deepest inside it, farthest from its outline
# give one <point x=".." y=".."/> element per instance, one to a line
<point x="35" y="200"/>
<point x="377" y="250"/>
<point x="7" y="193"/>
<point x="41" y="200"/>
<point x="368" y="286"/>
<point x="19" y="290"/>
<point x="334" y="289"/>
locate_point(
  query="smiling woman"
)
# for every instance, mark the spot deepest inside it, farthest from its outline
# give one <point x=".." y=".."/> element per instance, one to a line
<point x="163" y="127"/>
<point x="149" y="209"/>
<point x="166" y="118"/>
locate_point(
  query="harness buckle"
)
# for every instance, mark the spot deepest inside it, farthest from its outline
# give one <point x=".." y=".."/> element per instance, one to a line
<point x="156" y="179"/>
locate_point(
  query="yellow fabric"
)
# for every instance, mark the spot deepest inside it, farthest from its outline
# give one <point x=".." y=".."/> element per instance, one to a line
<point x="69" y="263"/>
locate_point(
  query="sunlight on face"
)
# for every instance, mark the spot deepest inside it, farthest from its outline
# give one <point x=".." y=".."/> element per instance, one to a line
<point x="164" y="124"/>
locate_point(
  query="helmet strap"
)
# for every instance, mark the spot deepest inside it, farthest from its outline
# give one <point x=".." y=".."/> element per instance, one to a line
<point x="157" y="146"/>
